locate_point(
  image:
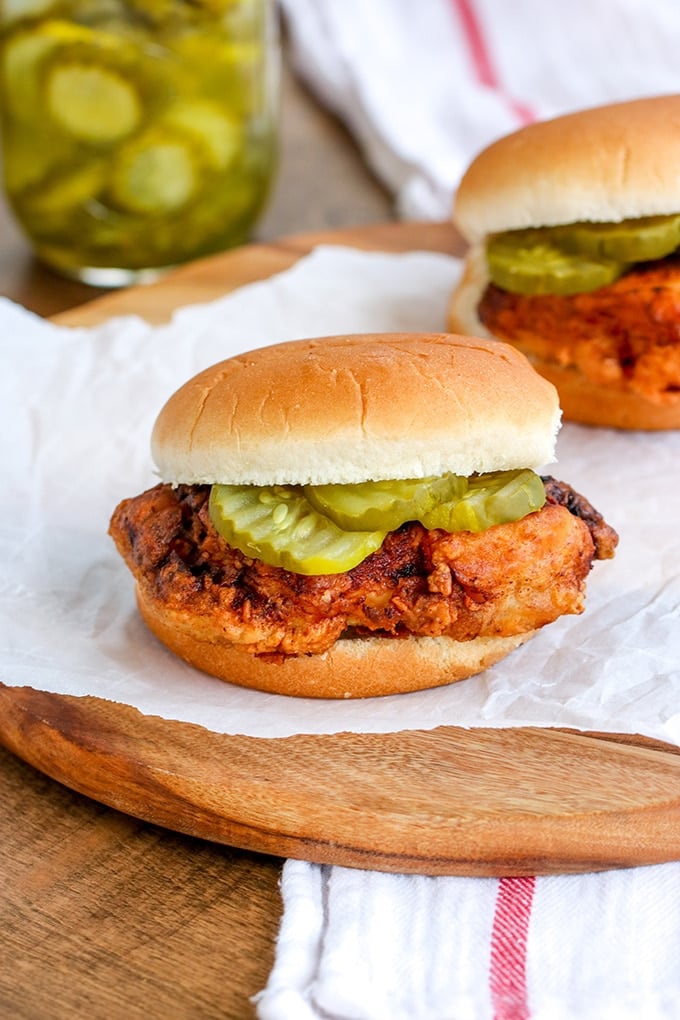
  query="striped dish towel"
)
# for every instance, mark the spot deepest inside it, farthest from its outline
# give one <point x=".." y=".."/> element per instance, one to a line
<point x="425" y="84"/>
<point x="358" y="945"/>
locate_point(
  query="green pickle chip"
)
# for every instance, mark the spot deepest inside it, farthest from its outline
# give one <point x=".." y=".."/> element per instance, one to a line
<point x="280" y="527"/>
<point x="650" y="237"/>
<point x="383" y="504"/>
<point x="328" y="529"/>
<point x="23" y="55"/>
<point x="530" y="262"/>
<point x="157" y="172"/>
<point x="93" y="104"/>
<point x="211" y="126"/>
<point x="577" y="257"/>
<point x="490" y="499"/>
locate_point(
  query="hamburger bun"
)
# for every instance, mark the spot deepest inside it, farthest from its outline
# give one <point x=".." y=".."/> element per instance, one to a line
<point x="357" y="408"/>
<point x="600" y="165"/>
<point x="603" y="164"/>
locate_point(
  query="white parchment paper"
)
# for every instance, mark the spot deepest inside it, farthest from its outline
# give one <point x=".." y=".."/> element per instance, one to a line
<point x="77" y="407"/>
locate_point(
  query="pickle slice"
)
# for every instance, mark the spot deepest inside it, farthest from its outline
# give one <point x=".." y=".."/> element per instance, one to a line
<point x="495" y="498"/>
<point x="650" y="237"/>
<point x="158" y="172"/>
<point x="450" y="502"/>
<point x="211" y="126"/>
<point x="280" y="527"/>
<point x="383" y="505"/>
<point x="512" y="498"/>
<point x="524" y="262"/>
<point x="93" y="104"/>
<point x="21" y="59"/>
<point x="23" y="54"/>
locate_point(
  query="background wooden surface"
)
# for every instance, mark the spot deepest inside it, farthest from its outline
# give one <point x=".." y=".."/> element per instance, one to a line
<point x="103" y="916"/>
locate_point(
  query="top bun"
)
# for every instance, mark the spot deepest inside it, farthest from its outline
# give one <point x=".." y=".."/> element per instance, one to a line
<point x="604" y="164"/>
<point x="355" y="408"/>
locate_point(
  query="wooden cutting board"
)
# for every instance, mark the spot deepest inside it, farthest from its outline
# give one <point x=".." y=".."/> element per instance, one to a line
<point x="444" y="801"/>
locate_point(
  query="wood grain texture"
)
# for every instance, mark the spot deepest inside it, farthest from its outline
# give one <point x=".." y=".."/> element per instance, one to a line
<point x="106" y="917"/>
<point x="447" y="801"/>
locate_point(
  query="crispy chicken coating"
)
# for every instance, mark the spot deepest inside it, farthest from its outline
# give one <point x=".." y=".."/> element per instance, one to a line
<point x="507" y="580"/>
<point x="626" y="335"/>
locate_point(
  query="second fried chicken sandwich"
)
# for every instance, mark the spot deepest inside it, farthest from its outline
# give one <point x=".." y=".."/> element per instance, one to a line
<point x="358" y="515"/>
<point x="573" y="226"/>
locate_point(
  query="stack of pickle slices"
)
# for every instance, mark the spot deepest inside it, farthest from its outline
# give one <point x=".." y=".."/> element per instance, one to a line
<point x="578" y="257"/>
<point x="328" y="529"/>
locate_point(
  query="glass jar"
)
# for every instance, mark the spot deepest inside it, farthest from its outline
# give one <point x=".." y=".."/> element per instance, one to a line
<point x="137" y="134"/>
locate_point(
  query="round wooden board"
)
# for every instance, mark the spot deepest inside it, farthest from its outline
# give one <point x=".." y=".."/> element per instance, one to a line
<point x="445" y="801"/>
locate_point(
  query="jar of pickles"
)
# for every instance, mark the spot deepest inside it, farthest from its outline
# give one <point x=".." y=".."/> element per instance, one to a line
<point x="136" y="134"/>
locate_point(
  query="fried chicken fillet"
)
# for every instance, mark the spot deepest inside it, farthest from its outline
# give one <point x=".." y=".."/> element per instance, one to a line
<point x="508" y="580"/>
<point x="625" y="336"/>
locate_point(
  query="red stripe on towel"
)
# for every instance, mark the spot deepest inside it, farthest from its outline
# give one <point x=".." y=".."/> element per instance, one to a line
<point x="507" y="967"/>
<point x="481" y="57"/>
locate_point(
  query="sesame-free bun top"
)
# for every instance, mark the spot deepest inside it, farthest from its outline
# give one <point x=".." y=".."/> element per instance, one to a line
<point x="353" y="408"/>
<point x="603" y="164"/>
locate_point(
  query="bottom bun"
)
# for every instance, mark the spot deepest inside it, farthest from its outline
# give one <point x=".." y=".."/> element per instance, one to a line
<point x="361" y="667"/>
<point x="591" y="403"/>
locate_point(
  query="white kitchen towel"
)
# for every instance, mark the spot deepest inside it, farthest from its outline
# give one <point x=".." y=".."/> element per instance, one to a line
<point x="358" y="945"/>
<point x="426" y="84"/>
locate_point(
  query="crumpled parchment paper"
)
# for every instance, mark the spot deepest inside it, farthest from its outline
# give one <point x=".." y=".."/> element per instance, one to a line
<point x="77" y="407"/>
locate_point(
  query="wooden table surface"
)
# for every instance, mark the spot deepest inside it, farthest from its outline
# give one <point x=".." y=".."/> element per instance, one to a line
<point x="103" y="916"/>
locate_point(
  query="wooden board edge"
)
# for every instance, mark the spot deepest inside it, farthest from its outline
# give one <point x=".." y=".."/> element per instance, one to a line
<point x="118" y="757"/>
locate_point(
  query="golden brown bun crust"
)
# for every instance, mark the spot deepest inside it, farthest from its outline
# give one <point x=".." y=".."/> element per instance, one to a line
<point x="352" y="668"/>
<point x="604" y="164"/>
<point x="353" y="408"/>
<point x="582" y="400"/>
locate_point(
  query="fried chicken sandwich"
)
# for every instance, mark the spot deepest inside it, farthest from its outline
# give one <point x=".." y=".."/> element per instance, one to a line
<point x="573" y="226"/>
<point x="358" y="515"/>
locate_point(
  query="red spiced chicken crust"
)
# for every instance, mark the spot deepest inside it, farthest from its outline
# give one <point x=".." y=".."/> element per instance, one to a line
<point x="624" y="336"/>
<point x="508" y="580"/>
